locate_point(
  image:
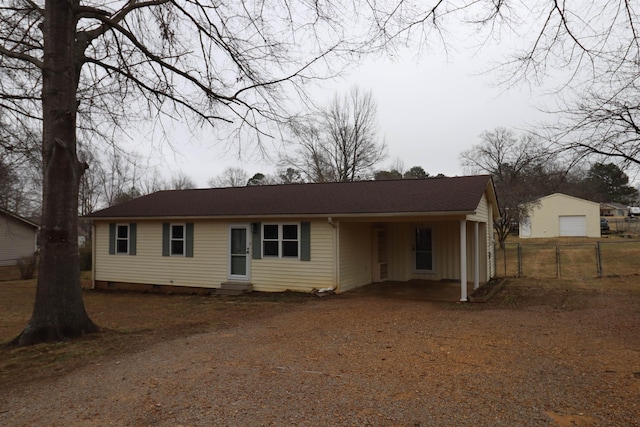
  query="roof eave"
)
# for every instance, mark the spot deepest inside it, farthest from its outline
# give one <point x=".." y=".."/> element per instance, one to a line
<point x="19" y="218"/>
<point x="283" y="215"/>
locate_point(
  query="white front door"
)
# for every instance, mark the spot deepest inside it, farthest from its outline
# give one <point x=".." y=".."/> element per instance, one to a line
<point x="239" y="257"/>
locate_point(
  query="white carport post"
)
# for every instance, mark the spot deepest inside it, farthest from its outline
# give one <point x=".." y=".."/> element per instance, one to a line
<point x="463" y="260"/>
<point x="476" y="253"/>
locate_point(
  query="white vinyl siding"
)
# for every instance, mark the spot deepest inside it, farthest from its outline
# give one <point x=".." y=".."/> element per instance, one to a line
<point x="399" y="244"/>
<point x="209" y="266"/>
<point x="486" y="254"/>
<point x="484" y="216"/>
<point x="446" y="250"/>
<point x="207" y="269"/>
<point x="341" y="252"/>
<point x="483" y="267"/>
<point x="482" y="211"/>
<point x="17" y="239"/>
<point x="355" y="255"/>
<point x="281" y="274"/>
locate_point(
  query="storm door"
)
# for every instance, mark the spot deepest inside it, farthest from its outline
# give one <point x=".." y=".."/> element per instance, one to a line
<point x="239" y="252"/>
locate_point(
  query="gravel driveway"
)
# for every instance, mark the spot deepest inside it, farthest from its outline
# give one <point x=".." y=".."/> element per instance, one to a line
<point x="568" y="359"/>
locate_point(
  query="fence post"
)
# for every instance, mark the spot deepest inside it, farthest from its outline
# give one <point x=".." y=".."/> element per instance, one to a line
<point x="557" y="261"/>
<point x="519" y="260"/>
<point x="598" y="260"/>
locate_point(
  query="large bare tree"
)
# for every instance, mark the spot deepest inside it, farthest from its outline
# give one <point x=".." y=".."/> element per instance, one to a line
<point x="339" y="142"/>
<point x="591" y="49"/>
<point x="89" y="67"/>
<point x="601" y="123"/>
<point x="522" y="171"/>
<point x="76" y="66"/>
<point x="20" y="166"/>
<point x="230" y="177"/>
<point x="586" y="52"/>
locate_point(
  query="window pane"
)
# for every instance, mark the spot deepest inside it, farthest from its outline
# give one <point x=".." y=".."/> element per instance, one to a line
<point x="290" y="232"/>
<point x="123" y="231"/>
<point x="238" y="240"/>
<point x="424" y="253"/>
<point x="290" y="248"/>
<point x="423" y="239"/>
<point x="423" y="261"/>
<point x="177" y="231"/>
<point x="177" y="247"/>
<point x="122" y="246"/>
<point x="270" y="232"/>
<point x="239" y="265"/>
<point x="270" y="248"/>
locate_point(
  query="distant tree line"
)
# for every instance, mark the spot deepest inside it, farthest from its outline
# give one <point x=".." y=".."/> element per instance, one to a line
<point x="415" y="172"/>
<point x="524" y="169"/>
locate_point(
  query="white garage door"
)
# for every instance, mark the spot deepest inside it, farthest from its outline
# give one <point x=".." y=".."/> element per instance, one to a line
<point x="573" y="225"/>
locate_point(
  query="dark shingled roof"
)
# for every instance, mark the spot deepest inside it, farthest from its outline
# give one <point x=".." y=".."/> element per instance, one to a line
<point x="432" y="195"/>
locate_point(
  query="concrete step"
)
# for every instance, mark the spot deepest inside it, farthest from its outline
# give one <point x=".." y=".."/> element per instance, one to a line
<point x="234" y="288"/>
<point x="221" y="291"/>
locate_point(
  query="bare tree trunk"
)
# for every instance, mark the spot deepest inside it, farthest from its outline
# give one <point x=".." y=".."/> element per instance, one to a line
<point x="59" y="311"/>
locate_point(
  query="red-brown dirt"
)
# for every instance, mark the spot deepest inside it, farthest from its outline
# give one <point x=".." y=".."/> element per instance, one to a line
<point x="552" y="353"/>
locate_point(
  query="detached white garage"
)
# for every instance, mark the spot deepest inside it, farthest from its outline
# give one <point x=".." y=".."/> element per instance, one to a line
<point x="559" y="215"/>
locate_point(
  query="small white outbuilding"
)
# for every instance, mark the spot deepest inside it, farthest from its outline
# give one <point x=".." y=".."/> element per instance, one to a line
<point x="560" y="215"/>
<point x="17" y="237"/>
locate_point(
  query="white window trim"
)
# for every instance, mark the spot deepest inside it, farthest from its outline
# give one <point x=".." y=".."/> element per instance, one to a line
<point x="183" y="239"/>
<point x="263" y="240"/>
<point x="280" y="240"/>
<point x="128" y="239"/>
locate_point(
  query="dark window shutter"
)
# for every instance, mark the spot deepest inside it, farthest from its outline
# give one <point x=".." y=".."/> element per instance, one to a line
<point x="305" y="241"/>
<point x="256" y="229"/>
<point x="189" y="240"/>
<point x="112" y="238"/>
<point x="165" y="238"/>
<point x="132" y="238"/>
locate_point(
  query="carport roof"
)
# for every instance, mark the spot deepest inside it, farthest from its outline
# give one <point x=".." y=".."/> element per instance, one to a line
<point x="431" y="195"/>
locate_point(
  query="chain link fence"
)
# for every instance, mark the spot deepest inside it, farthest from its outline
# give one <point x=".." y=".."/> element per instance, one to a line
<point x="620" y="257"/>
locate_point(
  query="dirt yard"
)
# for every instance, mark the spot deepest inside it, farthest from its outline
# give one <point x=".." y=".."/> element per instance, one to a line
<point x="554" y="353"/>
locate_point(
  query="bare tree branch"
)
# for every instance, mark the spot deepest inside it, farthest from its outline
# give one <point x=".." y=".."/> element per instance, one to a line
<point x="339" y="142"/>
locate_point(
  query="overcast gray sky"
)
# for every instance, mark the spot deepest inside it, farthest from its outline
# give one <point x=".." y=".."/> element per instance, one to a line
<point x="430" y="109"/>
